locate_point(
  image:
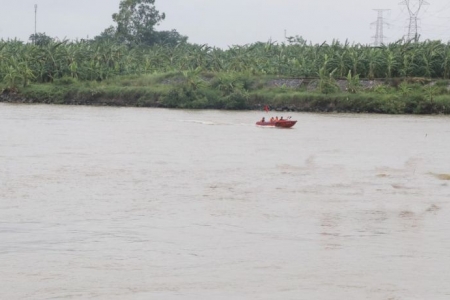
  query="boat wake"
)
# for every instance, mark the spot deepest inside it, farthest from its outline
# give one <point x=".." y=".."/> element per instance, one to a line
<point x="211" y="123"/>
<point x="204" y="122"/>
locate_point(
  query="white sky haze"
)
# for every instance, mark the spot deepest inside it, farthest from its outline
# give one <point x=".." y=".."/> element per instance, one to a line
<point x="232" y="22"/>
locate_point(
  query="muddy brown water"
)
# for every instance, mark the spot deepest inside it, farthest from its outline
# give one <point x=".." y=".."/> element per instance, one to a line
<point x="128" y="203"/>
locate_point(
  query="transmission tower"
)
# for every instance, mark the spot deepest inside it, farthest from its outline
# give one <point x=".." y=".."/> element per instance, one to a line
<point x="379" y="23"/>
<point x="414" y="7"/>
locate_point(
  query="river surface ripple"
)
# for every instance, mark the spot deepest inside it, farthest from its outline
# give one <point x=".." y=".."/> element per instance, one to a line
<point x="128" y="203"/>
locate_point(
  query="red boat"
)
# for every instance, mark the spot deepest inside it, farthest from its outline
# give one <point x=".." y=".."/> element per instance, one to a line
<point x="277" y="123"/>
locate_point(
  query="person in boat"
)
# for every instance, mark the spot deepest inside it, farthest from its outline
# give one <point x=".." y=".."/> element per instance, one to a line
<point x="281" y="118"/>
<point x="272" y="120"/>
<point x="276" y="118"/>
<point x="263" y="119"/>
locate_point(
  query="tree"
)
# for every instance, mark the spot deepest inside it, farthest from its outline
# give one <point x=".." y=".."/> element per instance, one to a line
<point x="107" y="34"/>
<point x="40" y="39"/>
<point x="168" y="38"/>
<point x="136" y="20"/>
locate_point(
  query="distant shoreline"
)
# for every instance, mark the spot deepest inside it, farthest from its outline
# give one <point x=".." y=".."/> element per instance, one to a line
<point x="280" y="94"/>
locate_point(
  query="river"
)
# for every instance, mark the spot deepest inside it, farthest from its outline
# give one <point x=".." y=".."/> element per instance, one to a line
<point x="137" y="203"/>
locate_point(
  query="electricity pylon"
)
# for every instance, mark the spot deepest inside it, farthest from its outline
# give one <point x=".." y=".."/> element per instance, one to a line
<point x="379" y="35"/>
<point x="414" y="7"/>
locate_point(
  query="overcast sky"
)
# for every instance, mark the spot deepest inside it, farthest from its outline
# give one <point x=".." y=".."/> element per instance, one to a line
<point x="231" y="22"/>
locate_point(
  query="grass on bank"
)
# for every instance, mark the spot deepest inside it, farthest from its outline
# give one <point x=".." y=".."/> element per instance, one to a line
<point x="196" y="90"/>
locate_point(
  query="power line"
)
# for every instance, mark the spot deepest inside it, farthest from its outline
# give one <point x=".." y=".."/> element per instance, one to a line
<point x="379" y="35"/>
<point x="413" y="7"/>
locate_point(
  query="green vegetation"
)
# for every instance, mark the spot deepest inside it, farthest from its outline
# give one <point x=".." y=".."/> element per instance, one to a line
<point x="196" y="90"/>
<point x="133" y="64"/>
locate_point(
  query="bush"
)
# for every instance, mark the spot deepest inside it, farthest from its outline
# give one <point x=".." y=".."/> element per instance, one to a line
<point x="442" y="83"/>
<point x="442" y="104"/>
<point x="65" y="81"/>
<point x="237" y="100"/>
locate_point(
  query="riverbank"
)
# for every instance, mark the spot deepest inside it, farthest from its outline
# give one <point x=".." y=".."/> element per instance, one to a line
<point x="244" y="92"/>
